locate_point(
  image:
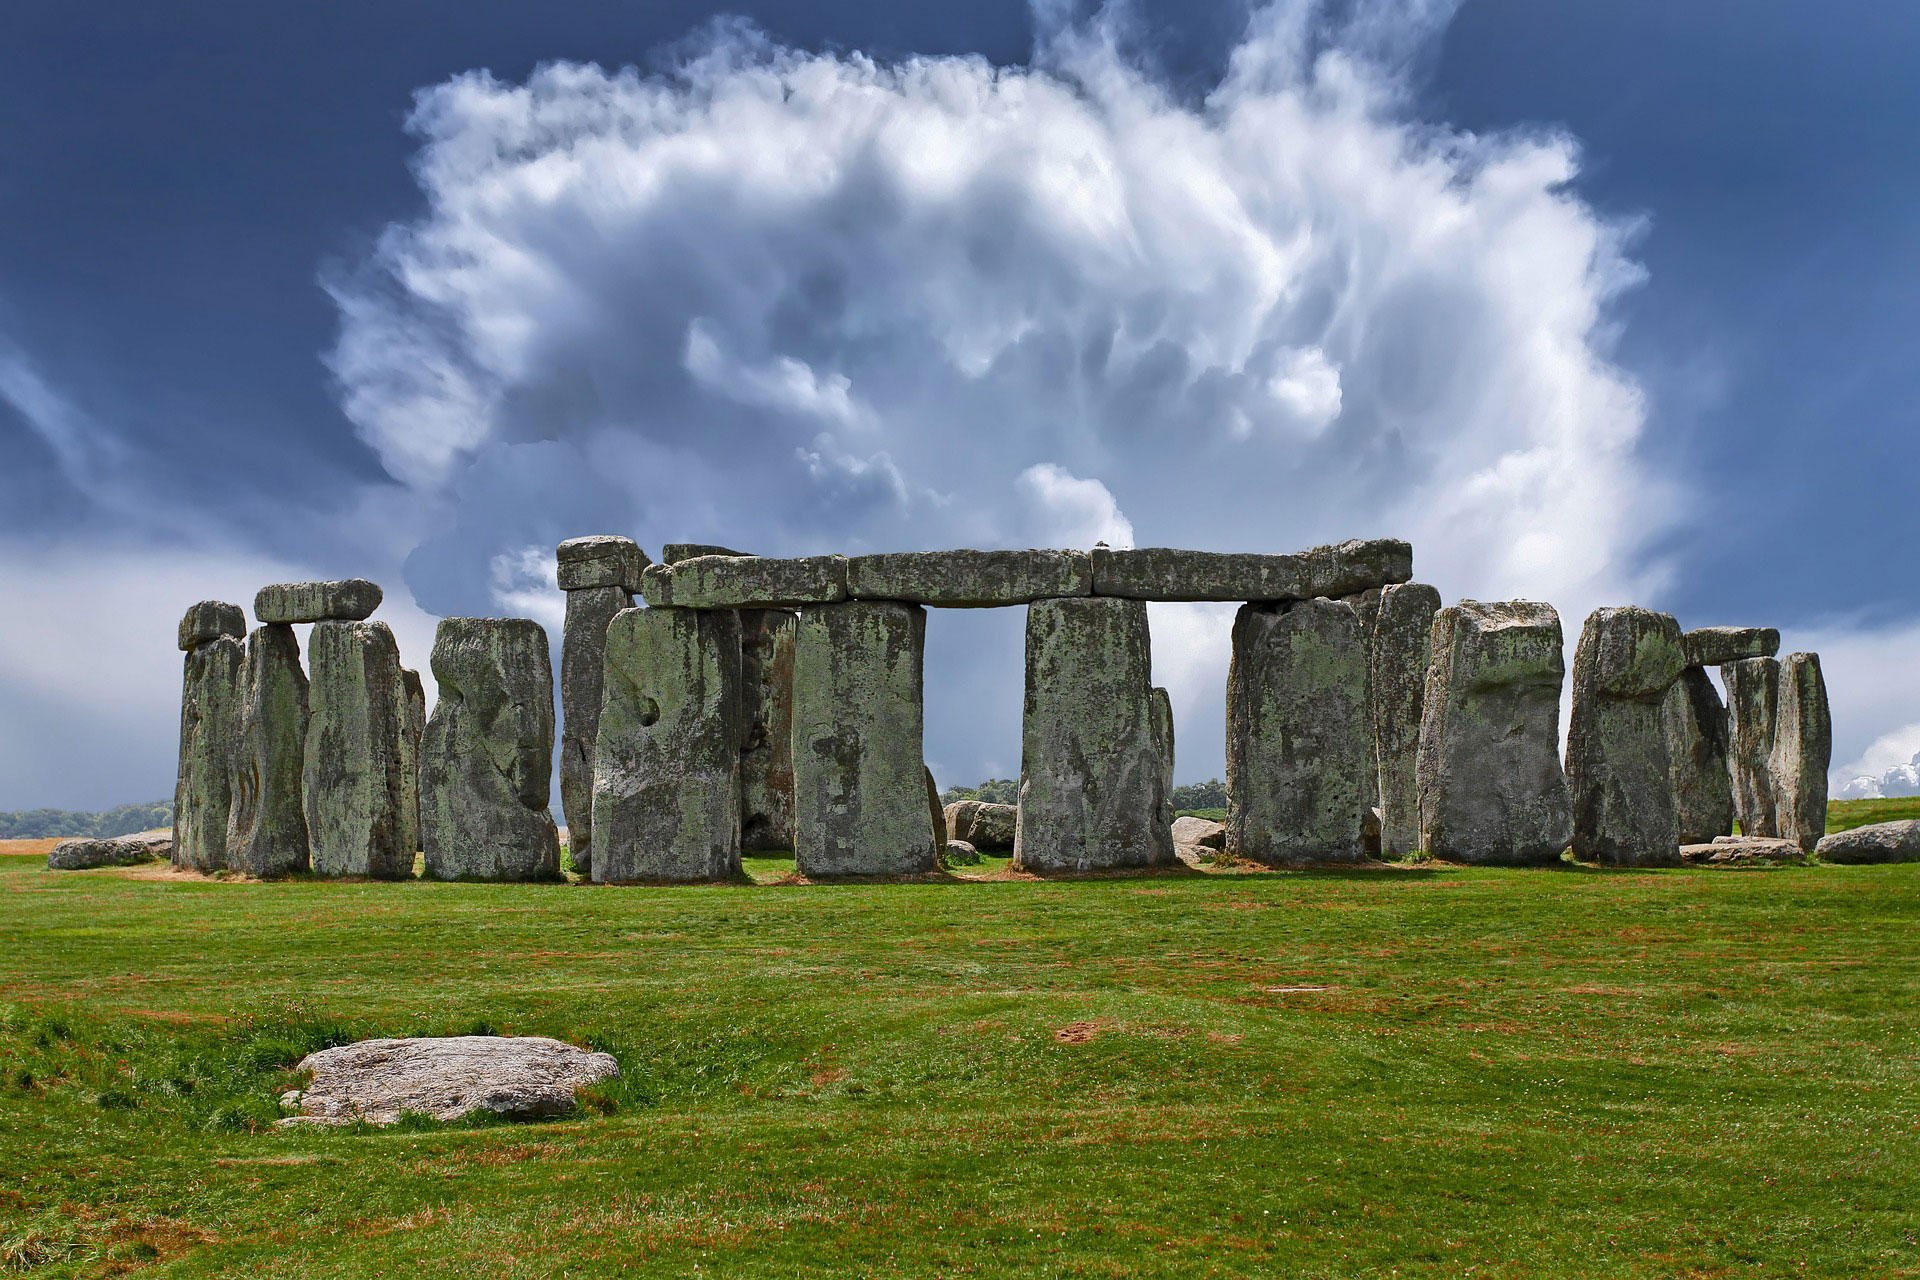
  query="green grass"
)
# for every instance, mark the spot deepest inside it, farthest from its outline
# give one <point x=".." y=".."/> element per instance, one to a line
<point x="1422" y="1072"/>
<point x="1845" y="815"/>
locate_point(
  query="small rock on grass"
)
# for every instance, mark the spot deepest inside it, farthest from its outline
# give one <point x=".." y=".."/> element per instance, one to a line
<point x="116" y="851"/>
<point x="446" y="1077"/>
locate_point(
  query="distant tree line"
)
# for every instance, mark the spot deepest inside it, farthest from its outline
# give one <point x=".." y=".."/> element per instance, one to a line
<point x="1211" y="794"/>
<point x="47" y="824"/>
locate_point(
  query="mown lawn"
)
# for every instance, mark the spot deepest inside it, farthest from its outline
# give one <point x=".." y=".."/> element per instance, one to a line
<point x="1421" y="1072"/>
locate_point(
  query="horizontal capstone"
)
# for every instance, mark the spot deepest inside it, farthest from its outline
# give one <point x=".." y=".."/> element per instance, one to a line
<point x="601" y="560"/>
<point x="1163" y="573"/>
<point x="970" y="579"/>
<point x="746" y="582"/>
<point x="209" y="620"/>
<point x="1717" y="646"/>
<point x="348" y="600"/>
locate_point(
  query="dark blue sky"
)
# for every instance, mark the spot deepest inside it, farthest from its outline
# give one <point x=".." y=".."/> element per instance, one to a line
<point x="176" y="180"/>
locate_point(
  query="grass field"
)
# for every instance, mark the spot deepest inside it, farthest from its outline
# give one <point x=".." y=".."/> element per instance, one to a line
<point x="1412" y="1071"/>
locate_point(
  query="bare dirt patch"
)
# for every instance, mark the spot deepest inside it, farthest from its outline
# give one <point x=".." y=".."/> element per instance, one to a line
<point x="1076" y="1032"/>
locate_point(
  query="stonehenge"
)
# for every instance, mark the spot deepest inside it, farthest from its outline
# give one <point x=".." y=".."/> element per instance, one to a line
<point x="1490" y="785"/>
<point x="1618" y="774"/>
<point x="1091" y="743"/>
<point x="486" y="760"/>
<point x="766" y="704"/>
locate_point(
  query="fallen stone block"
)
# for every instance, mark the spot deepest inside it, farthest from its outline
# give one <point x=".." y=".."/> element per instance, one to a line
<point x="211" y="620"/>
<point x="85" y="854"/>
<point x="1717" y="646"/>
<point x="1733" y="851"/>
<point x="746" y="582"/>
<point x="1490" y="783"/>
<point x="1618" y="771"/>
<point x="958" y="853"/>
<point x="1877" y="842"/>
<point x="969" y="579"/>
<point x="1695" y="723"/>
<point x="354" y="785"/>
<point x="349" y="600"/>
<point x="1802" y="751"/>
<point x="601" y="560"/>
<point x="267" y="824"/>
<point x="983" y="824"/>
<point x="445" y="1077"/>
<point x="1200" y="831"/>
<point x="1163" y="573"/>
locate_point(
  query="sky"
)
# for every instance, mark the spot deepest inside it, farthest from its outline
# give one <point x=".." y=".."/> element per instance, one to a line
<point x="1594" y="304"/>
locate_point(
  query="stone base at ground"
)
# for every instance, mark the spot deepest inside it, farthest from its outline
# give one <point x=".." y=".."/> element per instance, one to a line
<point x="115" y="851"/>
<point x="982" y="824"/>
<point x="1878" y="842"/>
<point x="1200" y="831"/>
<point x="446" y="1077"/>
<point x="1725" y="851"/>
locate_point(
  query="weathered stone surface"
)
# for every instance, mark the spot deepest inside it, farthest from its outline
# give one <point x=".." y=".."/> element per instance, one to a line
<point x="1618" y="772"/>
<point x="746" y="582"/>
<point x="1091" y="767"/>
<point x="970" y="579"/>
<point x="354" y="785"/>
<point x="1299" y="756"/>
<point x="958" y="853"/>
<point x="348" y="600"/>
<point x="1490" y="783"/>
<point x="378" y="1081"/>
<point x="212" y="694"/>
<point x="1695" y="723"/>
<point x="860" y="800"/>
<point x="486" y="760"/>
<point x="267" y="825"/>
<point x="1162" y="573"/>
<point x="1162" y="709"/>
<point x="210" y="620"/>
<point x="666" y="777"/>
<point x="983" y="824"/>
<point x="1728" y="851"/>
<point x="1717" y="646"/>
<point x="1200" y="831"/>
<point x="600" y="561"/>
<point x="415" y="731"/>
<point x="936" y="814"/>
<point x="583" y="655"/>
<point x="1802" y="751"/>
<point x="1396" y="690"/>
<point x="114" y="851"/>
<point x="1878" y="842"/>
<point x="675" y="552"/>
<point x="1370" y="833"/>
<point x="1753" y="699"/>
<point x="766" y="719"/>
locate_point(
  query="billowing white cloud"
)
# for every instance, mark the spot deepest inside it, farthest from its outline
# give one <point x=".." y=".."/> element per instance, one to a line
<point x="1065" y="510"/>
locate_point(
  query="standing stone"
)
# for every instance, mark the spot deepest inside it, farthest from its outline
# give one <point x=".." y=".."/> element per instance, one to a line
<point x="860" y="799"/>
<point x="1753" y="696"/>
<point x="1489" y="778"/>
<point x="936" y="814"/>
<point x="1802" y="750"/>
<point x="1299" y="756"/>
<point x="1092" y="759"/>
<point x="414" y="730"/>
<point x="766" y="718"/>
<point x="212" y="693"/>
<point x="486" y="761"/>
<point x="1162" y="708"/>
<point x="1397" y="682"/>
<point x="267" y="829"/>
<point x="1695" y="722"/>
<point x="583" y="653"/>
<point x="1617" y="765"/>
<point x="666" y="775"/>
<point x="354" y="786"/>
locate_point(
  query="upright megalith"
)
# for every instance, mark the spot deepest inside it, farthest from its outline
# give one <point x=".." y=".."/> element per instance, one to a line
<point x="1162" y="708"/>
<point x="766" y="728"/>
<point x="355" y="789"/>
<point x="1299" y="755"/>
<point x="212" y="692"/>
<point x="599" y="575"/>
<point x="1617" y="764"/>
<point x="1695" y="723"/>
<point x="1397" y="681"/>
<point x="267" y="828"/>
<point x="1802" y="750"/>
<point x="413" y="730"/>
<point x="666" y="773"/>
<point x="859" y="772"/>
<point x="486" y="760"/>
<point x="1488" y="769"/>
<point x="1753" y="698"/>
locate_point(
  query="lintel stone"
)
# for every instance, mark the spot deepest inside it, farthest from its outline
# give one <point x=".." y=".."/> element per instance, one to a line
<point x="1163" y="573"/>
<point x="970" y="579"/>
<point x="348" y="600"/>
<point x="675" y="552"/>
<point x="1717" y="646"/>
<point x="601" y="560"/>
<point x="210" y="620"/>
<point x="746" y="582"/>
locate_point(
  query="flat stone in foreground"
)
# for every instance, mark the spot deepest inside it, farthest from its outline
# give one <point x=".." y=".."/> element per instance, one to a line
<point x="1877" y="842"/>
<point x="1802" y="751"/>
<point x="860" y="777"/>
<point x="1164" y="573"/>
<point x="354" y="784"/>
<point x="1490" y="783"/>
<point x="1091" y="767"/>
<point x="1299" y="755"/>
<point x="486" y="762"/>
<point x="1733" y="851"/>
<point x="969" y="579"/>
<point x="348" y="600"/>
<point x="1618" y="771"/>
<point x="267" y="827"/>
<point x="601" y="560"/>
<point x="666" y="777"/>
<point x="210" y="620"/>
<point x="378" y="1081"/>
<point x="746" y="582"/>
<point x="1717" y="646"/>
<point x="113" y="851"/>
